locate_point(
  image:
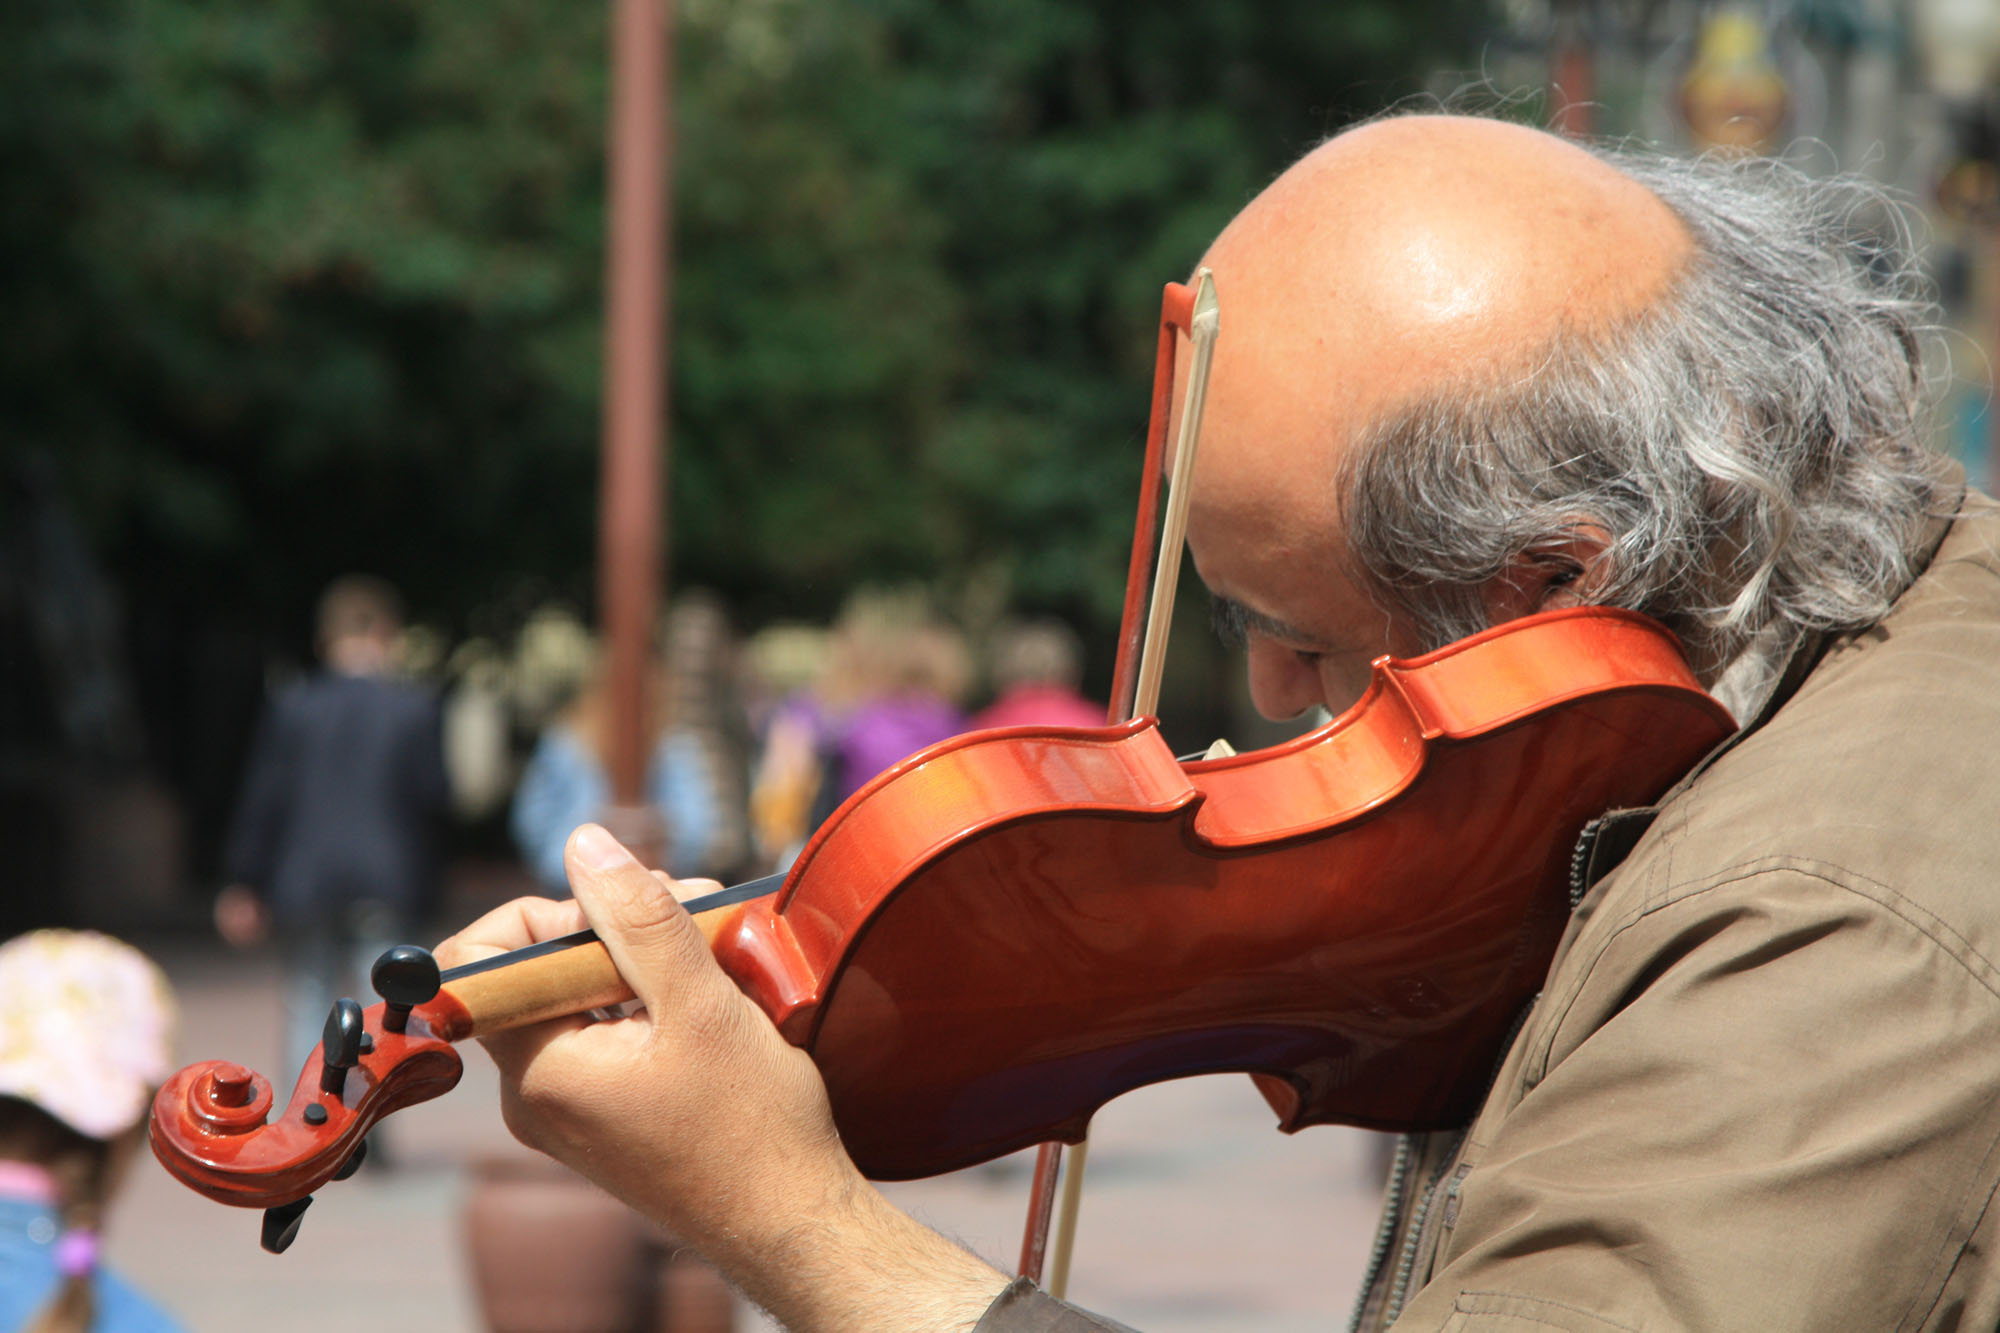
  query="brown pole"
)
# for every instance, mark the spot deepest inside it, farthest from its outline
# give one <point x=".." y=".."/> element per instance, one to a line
<point x="633" y="482"/>
<point x="1572" y="80"/>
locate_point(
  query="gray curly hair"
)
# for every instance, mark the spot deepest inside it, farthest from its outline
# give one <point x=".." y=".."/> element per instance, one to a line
<point x="1752" y="445"/>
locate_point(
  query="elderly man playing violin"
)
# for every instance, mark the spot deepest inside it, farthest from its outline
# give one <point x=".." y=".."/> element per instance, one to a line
<point x="1474" y="371"/>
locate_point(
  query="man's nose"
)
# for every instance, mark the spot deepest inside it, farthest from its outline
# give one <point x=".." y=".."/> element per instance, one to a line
<point x="1282" y="684"/>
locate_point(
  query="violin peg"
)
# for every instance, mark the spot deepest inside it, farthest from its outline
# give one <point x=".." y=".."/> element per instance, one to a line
<point x="281" y="1224"/>
<point x="340" y="1044"/>
<point x="354" y="1161"/>
<point x="405" y="977"/>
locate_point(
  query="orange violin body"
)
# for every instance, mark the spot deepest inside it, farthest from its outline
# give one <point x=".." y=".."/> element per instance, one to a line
<point x="1007" y="930"/>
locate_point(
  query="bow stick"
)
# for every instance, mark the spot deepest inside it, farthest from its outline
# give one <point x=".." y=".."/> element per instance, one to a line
<point x="1195" y="313"/>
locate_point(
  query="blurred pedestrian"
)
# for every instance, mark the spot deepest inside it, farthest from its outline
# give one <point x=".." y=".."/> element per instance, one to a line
<point x="787" y="666"/>
<point x="1037" y="672"/>
<point x="86" y="1034"/>
<point x="921" y="674"/>
<point x="886" y="682"/>
<point x="705" y="700"/>
<point x="566" y="784"/>
<point x="333" y="848"/>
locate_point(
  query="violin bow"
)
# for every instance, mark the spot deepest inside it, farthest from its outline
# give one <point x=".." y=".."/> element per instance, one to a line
<point x="1142" y="653"/>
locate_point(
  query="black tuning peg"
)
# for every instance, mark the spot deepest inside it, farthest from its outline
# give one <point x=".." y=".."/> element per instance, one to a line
<point x="340" y="1044"/>
<point x="405" y="977"/>
<point x="281" y="1224"/>
<point x="353" y="1162"/>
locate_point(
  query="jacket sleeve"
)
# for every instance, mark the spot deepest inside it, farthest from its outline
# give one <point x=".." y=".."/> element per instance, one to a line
<point x="263" y="807"/>
<point x="1025" y="1308"/>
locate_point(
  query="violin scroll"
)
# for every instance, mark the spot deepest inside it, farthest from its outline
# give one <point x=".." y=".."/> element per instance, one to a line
<point x="212" y="1125"/>
<point x="227" y="1098"/>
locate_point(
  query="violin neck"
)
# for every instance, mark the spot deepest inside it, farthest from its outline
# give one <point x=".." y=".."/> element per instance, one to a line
<point x="573" y="978"/>
<point x="572" y="974"/>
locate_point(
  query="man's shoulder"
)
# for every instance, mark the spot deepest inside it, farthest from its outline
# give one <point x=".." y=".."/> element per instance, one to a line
<point x="334" y="689"/>
<point x="1865" y="789"/>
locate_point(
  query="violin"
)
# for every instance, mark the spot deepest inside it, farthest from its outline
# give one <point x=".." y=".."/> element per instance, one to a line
<point x="1001" y="933"/>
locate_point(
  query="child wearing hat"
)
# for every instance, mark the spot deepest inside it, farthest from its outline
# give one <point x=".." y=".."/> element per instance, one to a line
<point x="86" y="1029"/>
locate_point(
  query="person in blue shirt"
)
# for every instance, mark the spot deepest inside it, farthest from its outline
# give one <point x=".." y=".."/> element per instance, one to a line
<point x="565" y="785"/>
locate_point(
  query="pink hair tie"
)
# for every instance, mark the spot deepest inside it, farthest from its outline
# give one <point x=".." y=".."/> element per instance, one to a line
<point x="25" y="1180"/>
<point x="76" y="1252"/>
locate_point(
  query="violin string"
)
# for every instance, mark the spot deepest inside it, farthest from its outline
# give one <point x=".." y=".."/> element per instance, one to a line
<point x="707" y="902"/>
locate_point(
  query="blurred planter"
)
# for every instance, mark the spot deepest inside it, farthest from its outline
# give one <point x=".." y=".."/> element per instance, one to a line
<point x="123" y="853"/>
<point x="552" y="1253"/>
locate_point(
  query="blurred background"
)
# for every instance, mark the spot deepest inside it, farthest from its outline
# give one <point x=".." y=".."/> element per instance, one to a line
<point x="296" y="289"/>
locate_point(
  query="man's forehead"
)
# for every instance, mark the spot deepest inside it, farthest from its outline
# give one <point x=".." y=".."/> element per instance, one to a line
<point x="1393" y="261"/>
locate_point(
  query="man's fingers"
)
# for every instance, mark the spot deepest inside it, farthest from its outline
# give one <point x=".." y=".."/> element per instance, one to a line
<point x="517" y="1048"/>
<point x="684" y="889"/>
<point x="651" y="939"/>
<point x="513" y="925"/>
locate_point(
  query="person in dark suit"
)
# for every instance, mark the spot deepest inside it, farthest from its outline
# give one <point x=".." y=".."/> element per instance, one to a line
<point x="333" y="847"/>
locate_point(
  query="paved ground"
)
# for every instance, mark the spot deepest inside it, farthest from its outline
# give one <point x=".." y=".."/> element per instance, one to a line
<point x="1198" y="1214"/>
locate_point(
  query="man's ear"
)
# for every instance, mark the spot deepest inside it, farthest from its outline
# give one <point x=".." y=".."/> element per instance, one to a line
<point x="1557" y="572"/>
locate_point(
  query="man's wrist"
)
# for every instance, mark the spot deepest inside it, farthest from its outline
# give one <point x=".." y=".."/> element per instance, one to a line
<point x="860" y="1263"/>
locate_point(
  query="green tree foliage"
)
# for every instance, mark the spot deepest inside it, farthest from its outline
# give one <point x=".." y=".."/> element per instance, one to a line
<point x="307" y="286"/>
<point x="298" y="286"/>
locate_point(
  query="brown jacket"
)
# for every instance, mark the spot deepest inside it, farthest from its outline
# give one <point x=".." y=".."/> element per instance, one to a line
<point x="1761" y="1088"/>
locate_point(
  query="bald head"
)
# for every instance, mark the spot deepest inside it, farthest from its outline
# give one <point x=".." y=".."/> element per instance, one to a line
<point x="1450" y="226"/>
<point x="1430" y="246"/>
<point x="1434" y="406"/>
<point x="1396" y="258"/>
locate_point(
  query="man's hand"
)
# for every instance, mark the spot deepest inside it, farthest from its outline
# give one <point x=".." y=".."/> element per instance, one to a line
<point x="698" y="1114"/>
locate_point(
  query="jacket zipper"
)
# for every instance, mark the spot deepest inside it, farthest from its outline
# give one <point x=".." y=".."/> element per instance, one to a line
<point x="1385" y="1230"/>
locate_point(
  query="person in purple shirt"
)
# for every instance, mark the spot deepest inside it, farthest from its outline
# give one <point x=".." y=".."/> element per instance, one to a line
<point x="913" y="705"/>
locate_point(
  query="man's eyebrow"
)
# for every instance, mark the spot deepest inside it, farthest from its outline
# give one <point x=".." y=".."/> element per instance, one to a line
<point x="1234" y="624"/>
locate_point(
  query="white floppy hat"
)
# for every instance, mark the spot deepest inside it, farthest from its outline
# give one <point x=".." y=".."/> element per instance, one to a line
<point x="86" y="1028"/>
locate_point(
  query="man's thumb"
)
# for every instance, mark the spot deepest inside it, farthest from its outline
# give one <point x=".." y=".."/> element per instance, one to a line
<point x="650" y="936"/>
